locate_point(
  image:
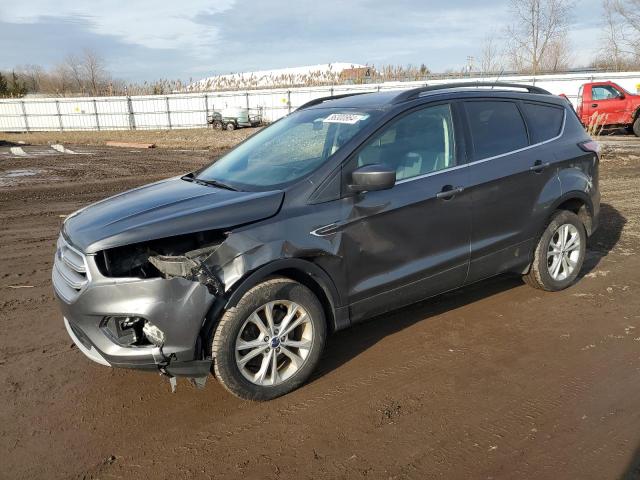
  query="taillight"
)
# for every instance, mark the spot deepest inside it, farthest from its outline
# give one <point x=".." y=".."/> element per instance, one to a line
<point x="590" y="146"/>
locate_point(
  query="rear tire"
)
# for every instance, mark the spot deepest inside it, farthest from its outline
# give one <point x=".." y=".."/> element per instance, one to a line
<point x="270" y="342"/>
<point x="559" y="254"/>
<point x="636" y="127"/>
<point x="230" y="126"/>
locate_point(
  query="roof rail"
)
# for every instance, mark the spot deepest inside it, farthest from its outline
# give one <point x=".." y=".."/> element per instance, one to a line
<point x="416" y="92"/>
<point x="318" y="101"/>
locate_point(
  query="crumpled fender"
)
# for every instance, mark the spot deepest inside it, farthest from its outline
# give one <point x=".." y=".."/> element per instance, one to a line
<point x="222" y="266"/>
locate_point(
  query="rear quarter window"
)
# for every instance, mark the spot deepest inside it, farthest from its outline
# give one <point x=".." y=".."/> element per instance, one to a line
<point x="544" y="121"/>
<point x="497" y="127"/>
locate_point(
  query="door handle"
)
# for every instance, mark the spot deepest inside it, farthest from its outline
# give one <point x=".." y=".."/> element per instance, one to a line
<point x="538" y="166"/>
<point x="594" y="105"/>
<point x="449" y="192"/>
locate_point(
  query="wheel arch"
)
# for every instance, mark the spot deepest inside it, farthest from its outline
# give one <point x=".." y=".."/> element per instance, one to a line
<point x="579" y="203"/>
<point x="300" y="270"/>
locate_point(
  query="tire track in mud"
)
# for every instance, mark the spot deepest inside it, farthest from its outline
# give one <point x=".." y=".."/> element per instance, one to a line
<point x="517" y="417"/>
<point x="402" y="405"/>
<point x="348" y="397"/>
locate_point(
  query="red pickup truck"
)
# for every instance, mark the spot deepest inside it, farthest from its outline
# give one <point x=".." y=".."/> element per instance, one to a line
<point x="618" y="107"/>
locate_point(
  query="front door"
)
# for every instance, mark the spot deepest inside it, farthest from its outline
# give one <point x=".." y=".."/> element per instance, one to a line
<point x="411" y="241"/>
<point x="606" y="100"/>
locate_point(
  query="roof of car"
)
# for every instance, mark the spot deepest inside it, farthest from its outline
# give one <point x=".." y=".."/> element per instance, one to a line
<point x="396" y="97"/>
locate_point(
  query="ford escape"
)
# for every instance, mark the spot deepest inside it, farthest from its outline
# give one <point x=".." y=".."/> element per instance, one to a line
<point x="347" y="208"/>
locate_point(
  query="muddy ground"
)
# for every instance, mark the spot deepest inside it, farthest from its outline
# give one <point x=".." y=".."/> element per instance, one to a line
<point x="192" y="138"/>
<point x="493" y="381"/>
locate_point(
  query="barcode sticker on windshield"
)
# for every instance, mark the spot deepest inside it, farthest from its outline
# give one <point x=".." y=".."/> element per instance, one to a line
<point x="350" y="118"/>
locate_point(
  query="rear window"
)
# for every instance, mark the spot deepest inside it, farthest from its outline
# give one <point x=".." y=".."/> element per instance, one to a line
<point x="496" y="128"/>
<point x="544" y="121"/>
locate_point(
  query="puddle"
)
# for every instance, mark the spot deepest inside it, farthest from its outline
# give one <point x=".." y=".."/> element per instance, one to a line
<point x="11" y="177"/>
<point x="21" y="173"/>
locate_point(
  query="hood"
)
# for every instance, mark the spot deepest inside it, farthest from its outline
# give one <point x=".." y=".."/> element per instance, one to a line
<point x="165" y="209"/>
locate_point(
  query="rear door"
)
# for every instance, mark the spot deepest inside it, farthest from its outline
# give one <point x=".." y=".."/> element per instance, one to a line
<point x="510" y="168"/>
<point x="411" y="241"/>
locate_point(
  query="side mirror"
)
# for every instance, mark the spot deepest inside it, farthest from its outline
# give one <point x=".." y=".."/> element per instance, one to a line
<point x="621" y="96"/>
<point x="372" y="177"/>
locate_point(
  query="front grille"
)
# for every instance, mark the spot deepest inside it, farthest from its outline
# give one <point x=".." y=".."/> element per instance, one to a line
<point x="69" y="271"/>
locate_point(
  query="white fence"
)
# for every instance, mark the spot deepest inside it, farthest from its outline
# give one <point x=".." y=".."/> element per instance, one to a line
<point x="191" y="110"/>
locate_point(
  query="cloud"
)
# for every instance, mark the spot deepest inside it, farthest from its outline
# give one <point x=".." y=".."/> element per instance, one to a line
<point x="153" y="24"/>
<point x="150" y="39"/>
<point x="361" y="31"/>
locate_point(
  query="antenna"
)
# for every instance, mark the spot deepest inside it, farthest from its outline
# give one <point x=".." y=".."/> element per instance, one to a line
<point x="498" y="78"/>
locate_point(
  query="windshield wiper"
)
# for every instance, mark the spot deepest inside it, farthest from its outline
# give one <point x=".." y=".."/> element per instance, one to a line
<point x="190" y="177"/>
<point x="215" y="183"/>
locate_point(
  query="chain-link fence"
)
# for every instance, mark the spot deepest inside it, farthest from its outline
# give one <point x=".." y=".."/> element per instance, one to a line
<point x="191" y="110"/>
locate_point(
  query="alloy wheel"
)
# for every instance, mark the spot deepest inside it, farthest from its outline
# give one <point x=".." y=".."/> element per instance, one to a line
<point x="274" y="342"/>
<point x="563" y="253"/>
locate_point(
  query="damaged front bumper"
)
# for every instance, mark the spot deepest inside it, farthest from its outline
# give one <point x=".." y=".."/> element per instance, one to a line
<point x="176" y="306"/>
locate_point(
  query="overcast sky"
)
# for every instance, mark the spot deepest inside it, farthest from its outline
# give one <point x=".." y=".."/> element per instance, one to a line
<point x="152" y="39"/>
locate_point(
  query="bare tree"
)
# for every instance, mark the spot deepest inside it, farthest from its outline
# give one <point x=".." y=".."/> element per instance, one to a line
<point x="59" y="81"/>
<point x="539" y="28"/>
<point x="557" y="57"/>
<point x="491" y="56"/>
<point x="94" y="72"/>
<point x="629" y="13"/>
<point x="73" y="65"/>
<point x="612" y="52"/>
<point x="620" y="42"/>
<point x="32" y="76"/>
<point x="87" y="72"/>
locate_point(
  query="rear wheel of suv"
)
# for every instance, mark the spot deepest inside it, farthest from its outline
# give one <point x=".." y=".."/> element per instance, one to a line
<point x="269" y="343"/>
<point x="559" y="255"/>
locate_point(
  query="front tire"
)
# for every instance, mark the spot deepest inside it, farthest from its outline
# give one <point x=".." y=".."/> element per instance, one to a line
<point x="559" y="255"/>
<point x="270" y="342"/>
<point x="636" y="127"/>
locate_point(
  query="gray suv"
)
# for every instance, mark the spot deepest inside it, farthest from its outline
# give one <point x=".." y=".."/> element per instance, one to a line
<point x="348" y="208"/>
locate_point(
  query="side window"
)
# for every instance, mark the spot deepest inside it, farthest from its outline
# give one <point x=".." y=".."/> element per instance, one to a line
<point x="416" y="144"/>
<point x="496" y="128"/>
<point x="604" y="92"/>
<point x="544" y="121"/>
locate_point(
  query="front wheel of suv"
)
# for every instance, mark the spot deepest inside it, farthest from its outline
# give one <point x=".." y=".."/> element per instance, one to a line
<point x="269" y="343"/>
<point x="559" y="255"/>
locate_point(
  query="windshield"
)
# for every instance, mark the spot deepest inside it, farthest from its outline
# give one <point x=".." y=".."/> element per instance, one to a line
<point x="287" y="150"/>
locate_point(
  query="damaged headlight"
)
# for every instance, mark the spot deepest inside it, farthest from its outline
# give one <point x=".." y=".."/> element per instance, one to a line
<point x="189" y="267"/>
<point x="169" y="257"/>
